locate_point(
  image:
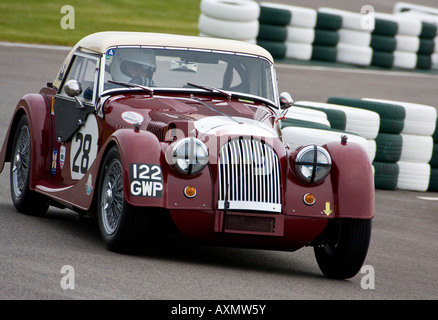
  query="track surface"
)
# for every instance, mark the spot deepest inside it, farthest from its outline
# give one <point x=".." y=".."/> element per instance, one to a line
<point x="403" y="250"/>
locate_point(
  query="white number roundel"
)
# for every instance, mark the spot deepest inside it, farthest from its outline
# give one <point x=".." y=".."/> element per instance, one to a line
<point x="83" y="150"/>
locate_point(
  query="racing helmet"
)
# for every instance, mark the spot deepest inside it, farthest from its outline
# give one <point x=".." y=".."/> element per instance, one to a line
<point x="142" y="58"/>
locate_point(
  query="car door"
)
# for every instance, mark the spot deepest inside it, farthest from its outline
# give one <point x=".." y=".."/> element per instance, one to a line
<point x="76" y="128"/>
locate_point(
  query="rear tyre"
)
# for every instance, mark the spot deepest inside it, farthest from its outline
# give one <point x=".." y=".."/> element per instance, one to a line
<point x="344" y="248"/>
<point x="121" y="225"/>
<point x="25" y="200"/>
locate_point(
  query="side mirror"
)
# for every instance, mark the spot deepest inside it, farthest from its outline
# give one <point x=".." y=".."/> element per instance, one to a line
<point x="286" y="100"/>
<point x="73" y="89"/>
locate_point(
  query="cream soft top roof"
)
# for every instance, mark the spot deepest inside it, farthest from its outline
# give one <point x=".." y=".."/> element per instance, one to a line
<point x="99" y="42"/>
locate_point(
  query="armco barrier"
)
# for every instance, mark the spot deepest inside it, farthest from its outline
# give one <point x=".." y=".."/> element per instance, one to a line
<point x="404" y="39"/>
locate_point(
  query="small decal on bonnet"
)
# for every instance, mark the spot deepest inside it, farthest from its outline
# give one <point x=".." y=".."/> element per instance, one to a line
<point x="132" y="117"/>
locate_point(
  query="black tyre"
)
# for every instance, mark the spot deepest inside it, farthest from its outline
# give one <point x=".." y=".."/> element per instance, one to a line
<point x="122" y="226"/>
<point x="25" y="200"/>
<point x="344" y="247"/>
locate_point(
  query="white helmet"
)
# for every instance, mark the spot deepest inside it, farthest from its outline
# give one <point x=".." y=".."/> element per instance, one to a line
<point x="144" y="58"/>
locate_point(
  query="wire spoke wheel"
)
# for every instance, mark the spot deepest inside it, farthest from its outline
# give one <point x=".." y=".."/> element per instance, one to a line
<point x="20" y="162"/>
<point x="112" y="197"/>
<point x="121" y="225"/>
<point x="25" y="200"/>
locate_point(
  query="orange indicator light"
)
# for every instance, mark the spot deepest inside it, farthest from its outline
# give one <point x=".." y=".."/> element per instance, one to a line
<point x="190" y="191"/>
<point x="309" y="199"/>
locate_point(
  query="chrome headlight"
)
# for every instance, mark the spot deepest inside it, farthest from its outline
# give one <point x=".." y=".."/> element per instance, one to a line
<point x="312" y="163"/>
<point x="189" y="156"/>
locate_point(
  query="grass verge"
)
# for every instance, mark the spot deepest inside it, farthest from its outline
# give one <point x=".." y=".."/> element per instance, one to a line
<point x="39" y="21"/>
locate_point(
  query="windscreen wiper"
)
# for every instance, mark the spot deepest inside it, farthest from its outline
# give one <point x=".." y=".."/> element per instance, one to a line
<point x="133" y="85"/>
<point x="211" y="89"/>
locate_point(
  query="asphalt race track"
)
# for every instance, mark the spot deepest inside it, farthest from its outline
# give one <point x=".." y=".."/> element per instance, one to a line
<point x="403" y="254"/>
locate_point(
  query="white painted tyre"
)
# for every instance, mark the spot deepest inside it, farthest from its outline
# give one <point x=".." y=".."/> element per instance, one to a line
<point x="237" y="30"/>
<point x="416" y="148"/>
<point x="306" y="114"/>
<point x="355" y="37"/>
<point x="300" y="51"/>
<point x="413" y="176"/>
<point x="407" y="43"/>
<point x="434" y="57"/>
<point x="420" y="118"/>
<point x="300" y="34"/>
<point x="404" y="60"/>
<point x="233" y="10"/>
<point x="352" y="54"/>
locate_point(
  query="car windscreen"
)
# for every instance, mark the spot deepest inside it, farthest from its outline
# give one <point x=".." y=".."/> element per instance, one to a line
<point x="175" y="68"/>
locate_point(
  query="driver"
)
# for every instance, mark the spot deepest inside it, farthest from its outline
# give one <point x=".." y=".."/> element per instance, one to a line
<point x="134" y="65"/>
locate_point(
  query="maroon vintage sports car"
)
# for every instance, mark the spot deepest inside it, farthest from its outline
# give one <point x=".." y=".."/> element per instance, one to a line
<point x="144" y="129"/>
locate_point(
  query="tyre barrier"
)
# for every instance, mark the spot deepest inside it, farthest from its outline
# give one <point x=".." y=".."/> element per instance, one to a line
<point x="231" y="19"/>
<point x="391" y="115"/>
<point x="400" y="138"/>
<point x="359" y="121"/>
<point x="405" y="40"/>
<point x="312" y="117"/>
<point x="406" y="155"/>
<point x="432" y="40"/>
<point x="433" y="183"/>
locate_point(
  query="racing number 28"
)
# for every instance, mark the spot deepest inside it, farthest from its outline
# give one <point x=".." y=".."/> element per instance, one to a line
<point x="82" y="153"/>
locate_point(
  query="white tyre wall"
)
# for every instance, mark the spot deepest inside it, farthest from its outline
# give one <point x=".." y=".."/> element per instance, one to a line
<point x="434" y="57"/>
<point x="413" y="176"/>
<point x="355" y="37"/>
<point x="234" y="10"/>
<point x="300" y="51"/>
<point x="407" y="43"/>
<point x="363" y="122"/>
<point x="404" y="60"/>
<point x="310" y="115"/>
<point x="300" y="34"/>
<point x="420" y="118"/>
<point x="416" y="148"/>
<point x="303" y="17"/>
<point x="237" y="30"/>
<point x="351" y="54"/>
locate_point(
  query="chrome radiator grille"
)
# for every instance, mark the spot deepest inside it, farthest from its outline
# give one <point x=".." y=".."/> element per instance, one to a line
<point x="249" y="176"/>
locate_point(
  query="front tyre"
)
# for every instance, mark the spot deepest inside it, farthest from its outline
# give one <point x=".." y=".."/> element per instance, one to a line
<point x="121" y="225"/>
<point x="344" y="248"/>
<point x="25" y="200"/>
